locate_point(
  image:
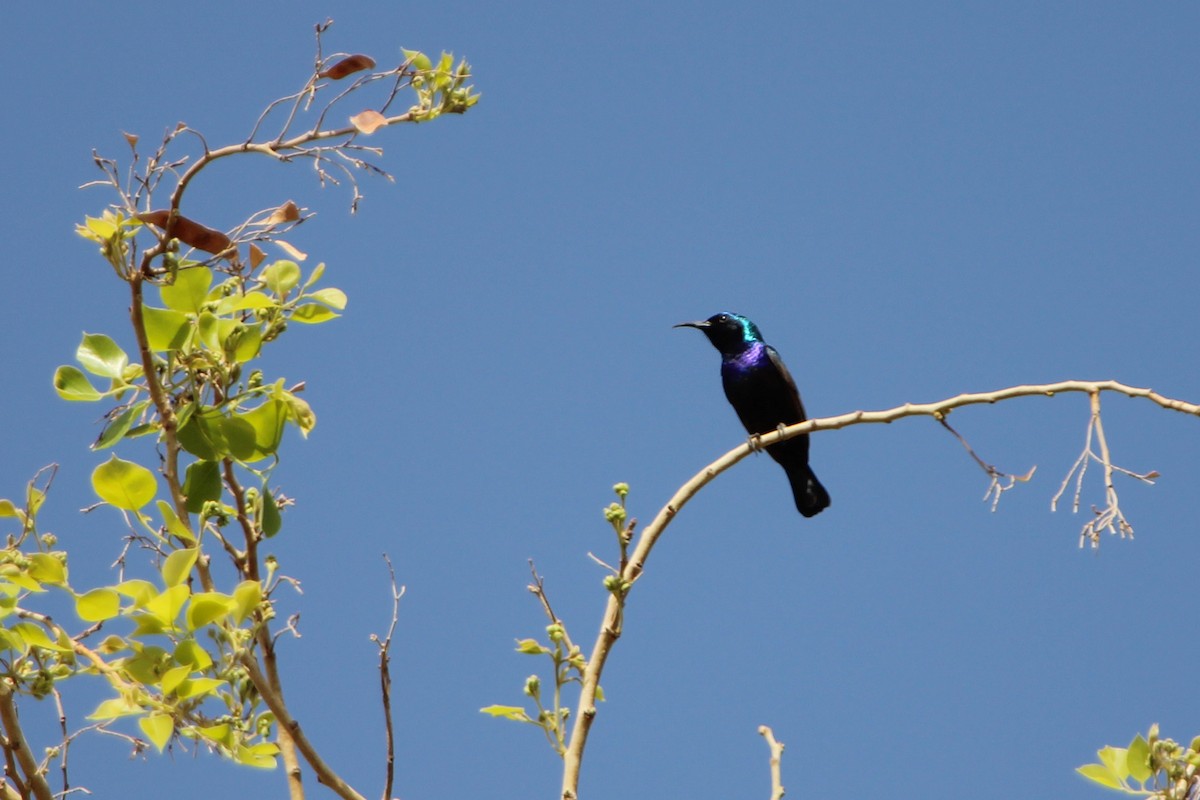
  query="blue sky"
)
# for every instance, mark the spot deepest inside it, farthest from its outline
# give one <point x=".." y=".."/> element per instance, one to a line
<point x="911" y="200"/>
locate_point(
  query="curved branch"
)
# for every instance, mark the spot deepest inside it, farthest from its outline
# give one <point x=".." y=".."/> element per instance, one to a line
<point x="610" y="627"/>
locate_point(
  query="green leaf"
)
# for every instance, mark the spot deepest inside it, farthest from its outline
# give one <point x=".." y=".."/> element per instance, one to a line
<point x="45" y="568"/>
<point x="261" y="755"/>
<point x="35" y="636"/>
<point x="282" y="276"/>
<point x="113" y="708"/>
<point x="101" y="356"/>
<point x="1138" y="759"/>
<point x="124" y="484"/>
<point x="119" y="425"/>
<point x="268" y="421"/>
<point x="1115" y="759"/>
<point x="189" y="291"/>
<point x="173" y="524"/>
<point x="272" y="520"/>
<point x="137" y="590"/>
<point x="71" y="384"/>
<point x="98" y="605"/>
<point x="201" y="436"/>
<point x="166" y="329"/>
<point x="313" y="314"/>
<point x="250" y="301"/>
<point x="207" y="607"/>
<point x="334" y="298"/>
<point x="190" y="652"/>
<point x="246" y="597"/>
<point x="239" y="438"/>
<point x="246" y="343"/>
<point x="515" y="713"/>
<point x="7" y="509"/>
<point x="196" y="687"/>
<point x="173" y="677"/>
<point x="315" y="275"/>
<point x="166" y="606"/>
<point x="530" y="647"/>
<point x="1101" y="775"/>
<point x="158" y="729"/>
<point x="218" y="734"/>
<point x="201" y="483"/>
<point x="178" y="566"/>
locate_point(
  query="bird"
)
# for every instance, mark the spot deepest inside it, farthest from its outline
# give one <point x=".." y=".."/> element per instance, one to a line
<point x="764" y="395"/>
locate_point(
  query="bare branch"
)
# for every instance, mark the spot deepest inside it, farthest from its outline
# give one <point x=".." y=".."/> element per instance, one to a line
<point x="776" y="748"/>
<point x="610" y="627"/>
<point x="385" y="680"/>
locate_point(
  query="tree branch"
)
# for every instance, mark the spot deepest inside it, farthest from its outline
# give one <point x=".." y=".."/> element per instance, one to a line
<point x="15" y="743"/>
<point x="610" y="627"/>
<point x="325" y="774"/>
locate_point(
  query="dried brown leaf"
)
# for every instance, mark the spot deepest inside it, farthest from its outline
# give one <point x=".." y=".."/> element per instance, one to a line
<point x="256" y="255"/>
<point x="348" y="66"/>
<point x="288" y="212"/>
<point x="191" y="233"/>
<point x="368" y="121"/>
<point x="131" y="138"/>
<point x="291" y="250"/>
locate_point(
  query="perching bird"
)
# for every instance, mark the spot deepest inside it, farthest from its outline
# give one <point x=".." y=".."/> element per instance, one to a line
<point x="762" y="392"/>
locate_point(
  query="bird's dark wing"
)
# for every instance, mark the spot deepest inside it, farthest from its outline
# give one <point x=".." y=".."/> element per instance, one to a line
<point x="793" y="392"/>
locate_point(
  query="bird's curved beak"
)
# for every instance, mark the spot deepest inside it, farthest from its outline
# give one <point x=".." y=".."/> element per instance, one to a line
<point x="700" y="324"/>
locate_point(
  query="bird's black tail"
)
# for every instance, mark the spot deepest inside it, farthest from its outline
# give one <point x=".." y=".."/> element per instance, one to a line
<point x="811" y="497"/>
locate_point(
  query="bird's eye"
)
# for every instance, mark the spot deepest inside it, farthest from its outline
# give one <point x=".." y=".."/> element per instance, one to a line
<point x="722" y="318"/>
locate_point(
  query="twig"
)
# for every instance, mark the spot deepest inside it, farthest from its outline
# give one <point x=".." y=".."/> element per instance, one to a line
<point x="538" y="589"/>
<point x="776" y="748"/>
<point x="385" y="679"/>
<point x="995" y="488"/>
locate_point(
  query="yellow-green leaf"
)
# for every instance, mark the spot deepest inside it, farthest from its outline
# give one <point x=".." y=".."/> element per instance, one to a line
<point x="166" y="607"/>
<point x="189" y="290"/>
<point x="313" y="314"/>
<point x="261" y="755"/>
<point x="72" y="384"/>
<point x="173" y="677"/>
<point x="196" y="687"/>
<point x="179" y="565"/>
<point x="98" y="605"/>
<point x="158" y="729"/>
<point x="101" y="356"/>
<point x="334" y="298"/>
<point x="1100" y="774"/>
<point x="46" y="568"/>
<point x="113" y="708"/>
<point x="172" y="523"/>
<point x="246" y="597"/>
<point x="190" y="652"/>
<point x="507" y="712"/>
<point x="124" y="484"/>
<point x="166" y="329"/>
<point x="207" y="607"/>
<point x="137" y="590"/>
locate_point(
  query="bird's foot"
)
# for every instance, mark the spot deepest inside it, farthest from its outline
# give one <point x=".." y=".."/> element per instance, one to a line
<point x="755" y="443"/>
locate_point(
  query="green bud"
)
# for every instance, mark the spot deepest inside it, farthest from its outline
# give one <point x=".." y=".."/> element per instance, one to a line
<point x="622" y="490"/>
<point x="533" y="685"/>
<point x="49" y="539"/>
<point x="555" y="632"/>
